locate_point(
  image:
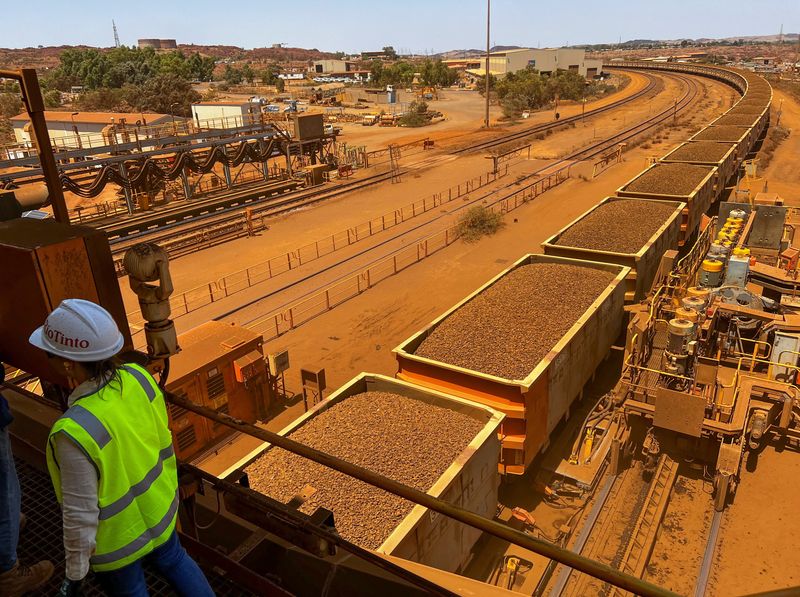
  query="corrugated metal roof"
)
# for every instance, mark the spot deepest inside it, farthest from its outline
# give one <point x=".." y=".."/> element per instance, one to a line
<point x="96" y="117"/>
<point x="230" y="103"/>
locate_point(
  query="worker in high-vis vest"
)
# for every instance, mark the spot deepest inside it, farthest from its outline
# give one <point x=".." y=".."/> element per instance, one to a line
<point x="111" y="461"/>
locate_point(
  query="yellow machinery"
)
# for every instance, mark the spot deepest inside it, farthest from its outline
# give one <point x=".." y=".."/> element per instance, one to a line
<point x="711" y="367"/>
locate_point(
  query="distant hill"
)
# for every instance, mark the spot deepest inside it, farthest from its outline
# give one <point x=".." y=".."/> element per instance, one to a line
<point x="642" y="43"/>
<point x="44" y="57"/>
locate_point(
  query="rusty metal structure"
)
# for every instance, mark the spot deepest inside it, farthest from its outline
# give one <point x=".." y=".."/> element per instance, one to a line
<point x="271" y="548"/>
<point x="145" y="162"/>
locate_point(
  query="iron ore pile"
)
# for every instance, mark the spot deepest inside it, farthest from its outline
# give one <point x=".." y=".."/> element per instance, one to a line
<point x="669" y="179"/>
<point x="748" y="108"/>
<point x="621" y="226"/>
<point x="720" y="133"/>
<point x="509" y="327"/>
<point x="736" y="120"/>
<point x="701" y="151"/>
<point x="386" y="433"/>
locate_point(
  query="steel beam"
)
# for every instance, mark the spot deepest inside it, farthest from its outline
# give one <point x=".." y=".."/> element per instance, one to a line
<point x="34" y="105"/>
<point x="501" y="531"/>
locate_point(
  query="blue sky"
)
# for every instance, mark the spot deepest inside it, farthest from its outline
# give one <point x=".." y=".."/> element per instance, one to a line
<point x="408" y="25"/>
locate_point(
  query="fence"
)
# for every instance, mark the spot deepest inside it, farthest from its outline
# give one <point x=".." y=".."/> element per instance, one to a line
<point x="281" y="321"/>
<point x="202" y="296"/>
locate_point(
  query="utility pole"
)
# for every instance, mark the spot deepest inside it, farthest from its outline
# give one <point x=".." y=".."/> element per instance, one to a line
<point x="488" y="15"/>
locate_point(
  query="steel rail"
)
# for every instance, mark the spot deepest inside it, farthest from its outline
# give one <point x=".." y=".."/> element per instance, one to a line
<point x="536" y="545"/>
<point x="583" y="536"/>
<point x="514" y="186"/>
<point x="708" y="556"/>
<point x="292" y="201"/>
<point x="206" y="207"/>
<point x="524" y="134"/>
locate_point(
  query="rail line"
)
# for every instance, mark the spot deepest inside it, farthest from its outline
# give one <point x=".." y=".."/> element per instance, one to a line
<point x="495" y="198"/>
<point x="623" y="530"/>
<point x="210" y="211"/>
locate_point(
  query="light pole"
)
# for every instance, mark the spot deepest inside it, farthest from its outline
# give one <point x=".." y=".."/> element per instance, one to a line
<point x="488" y="16"/>
<point x="75" y="129"/>
<point x="172" y="115"/>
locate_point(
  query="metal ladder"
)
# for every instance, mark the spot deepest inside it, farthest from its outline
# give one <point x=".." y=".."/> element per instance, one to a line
<point x="643" y="538"/>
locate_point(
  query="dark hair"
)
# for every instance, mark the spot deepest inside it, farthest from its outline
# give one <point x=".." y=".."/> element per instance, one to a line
<point x="105" y="371"/>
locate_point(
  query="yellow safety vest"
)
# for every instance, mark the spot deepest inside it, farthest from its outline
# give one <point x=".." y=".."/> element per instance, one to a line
<point x="122" y="428"/>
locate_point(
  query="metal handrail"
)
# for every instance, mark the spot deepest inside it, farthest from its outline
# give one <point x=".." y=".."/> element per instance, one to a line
<point x="540" y="546"/>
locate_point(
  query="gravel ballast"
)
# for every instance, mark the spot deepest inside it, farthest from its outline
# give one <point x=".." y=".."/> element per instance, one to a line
<point x="721" y="133"/>
<point x="508" y="328"/>
<point x="621" y="226"/>
<point x="408" y="440"/>
<point x="669" y="179"/>
<point x="700" y="151"/>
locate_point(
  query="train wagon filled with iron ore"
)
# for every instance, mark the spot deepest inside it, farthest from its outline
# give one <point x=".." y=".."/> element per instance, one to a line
<point x="752" y="122"/>
<point x="707" y="153"/>
<point x="759" y="112"/>
<point x="686" y="183"/>
<point x="730" y="134"/>
<point x="524" y="343"/>
<point x="440" y="444"/>
<point x="631" y="232"/>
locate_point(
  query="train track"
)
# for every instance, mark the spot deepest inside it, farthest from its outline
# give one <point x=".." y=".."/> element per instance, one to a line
<point x="219" y="210"/>
<point x="625" y="529"/>
<point x="375" y="252"/>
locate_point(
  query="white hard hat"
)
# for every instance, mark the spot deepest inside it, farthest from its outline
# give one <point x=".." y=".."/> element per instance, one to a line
<point x="79" y="330"/>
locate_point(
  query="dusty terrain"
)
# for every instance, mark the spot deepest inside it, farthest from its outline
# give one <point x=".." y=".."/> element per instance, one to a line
<point x="358" y="335"/>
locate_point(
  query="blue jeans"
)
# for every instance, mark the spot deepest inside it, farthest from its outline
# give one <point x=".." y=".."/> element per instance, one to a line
<point x="171" y="561"/>
<point x="9" y="504"/>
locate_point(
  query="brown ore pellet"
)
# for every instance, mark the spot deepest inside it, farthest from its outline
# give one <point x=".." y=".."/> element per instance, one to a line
<point x="669" y="179"/>
<point x="410" y="441"/>
<point x="721" y="133"/>
<point x="753" y="108"/>
<point x="700" y="151"/>
<point x="509" y="327"/>
<point x="621" y="226"/>
<point x="746" y="120"/>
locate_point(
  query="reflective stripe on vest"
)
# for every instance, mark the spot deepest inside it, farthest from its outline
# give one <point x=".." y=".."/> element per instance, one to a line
<point x="122" y="429"/>
<point x="141" y="541"/>
<point x="139" y="488"/>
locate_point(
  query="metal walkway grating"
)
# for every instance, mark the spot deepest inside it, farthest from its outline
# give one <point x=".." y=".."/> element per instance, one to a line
<point x="42" y="540"/>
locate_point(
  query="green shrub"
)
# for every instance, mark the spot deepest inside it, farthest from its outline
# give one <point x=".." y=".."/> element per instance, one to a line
<point x="477" y="222"/>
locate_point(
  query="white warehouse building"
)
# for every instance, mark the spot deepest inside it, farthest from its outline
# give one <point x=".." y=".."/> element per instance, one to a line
<point x="225" y="114"/>
<point x="546" y="61"/>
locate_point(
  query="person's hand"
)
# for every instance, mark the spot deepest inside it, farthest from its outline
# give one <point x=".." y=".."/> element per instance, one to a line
<point x="70" y="588"/>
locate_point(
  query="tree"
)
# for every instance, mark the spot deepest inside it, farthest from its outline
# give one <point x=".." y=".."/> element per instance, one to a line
<point x="375" y="71"/>
<point x="389" y="51"/>
<point x="280" y="85"/>
<point x="529" y="90"/>
<point x="167" y="94"/>
<point x="10" y="105"/>
<point x="232" y="76"/>
<point x="201" y="68"/>
<point x="52" y="98"/>
<point x="481" y="84"/>
<point x="248" y="74"/>
<point x="267" y="76"/>
<point x="435" y="73"/>
<point x="121" y="66"/>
